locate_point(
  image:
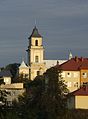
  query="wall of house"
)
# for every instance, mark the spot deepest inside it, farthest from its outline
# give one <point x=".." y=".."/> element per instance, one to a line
<point x="37" y="68"/>
<point x="84" y="76"/>
<point x="12" y="86"/>
<point x="72" y="79"/>
<point x="81" y="102"/>
<point x="7" y="80"/>
<point x="24" y="72"/>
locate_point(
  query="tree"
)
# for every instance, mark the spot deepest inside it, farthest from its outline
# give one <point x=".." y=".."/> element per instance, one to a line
<point x="3" y="100"/>
<point x="53" y="99"/>
<point x="3" y="96"/>
<point x="28" y="102"/>
<point x="13" y="68"/>
<point x="45" y="98"/>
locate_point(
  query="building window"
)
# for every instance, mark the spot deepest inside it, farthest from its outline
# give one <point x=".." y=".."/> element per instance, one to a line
<point x="75" y="84"/>
<point x="36" y="42"/>
<point x="38" y="73"/>
<point x="84" y="75"/>
<point x="68" y="74"/>
<point x="85" y="83"/>
<point x="36" y="59"/>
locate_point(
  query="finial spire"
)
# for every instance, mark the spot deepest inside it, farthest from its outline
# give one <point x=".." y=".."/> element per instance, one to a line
<point x="70" y="55"/>
<point x="22" y="58"/>
<point x="35" y="22"/>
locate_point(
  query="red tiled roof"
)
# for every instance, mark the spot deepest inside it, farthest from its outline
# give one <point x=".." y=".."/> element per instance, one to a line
<point x="83" y="91"/>
<point x="74" y="64"/>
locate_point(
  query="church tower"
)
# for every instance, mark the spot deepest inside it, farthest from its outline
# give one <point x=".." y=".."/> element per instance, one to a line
<point x="36" y="54"/>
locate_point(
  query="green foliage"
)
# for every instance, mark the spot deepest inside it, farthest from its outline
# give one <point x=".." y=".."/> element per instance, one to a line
<point x="3" y="96"/>
<point x="28" y="103"/>
<point x="55" y="90"/>
<point x="3" y="100"/>
<point x="13" y="68"/>
<point x="11" y="115"/>
<point x="1" y="81"/>
<point x="8" y="113"/>
<point x="75" y="114"/>
<point x="44" y="97"/>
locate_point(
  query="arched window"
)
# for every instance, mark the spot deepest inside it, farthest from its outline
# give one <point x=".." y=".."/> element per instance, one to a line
<point x="38" y="73"/>
<point x="36" y="59"/>
<point x="36" y="42"/>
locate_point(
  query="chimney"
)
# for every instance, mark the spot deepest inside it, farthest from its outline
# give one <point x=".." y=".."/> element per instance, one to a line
<point x="57" y="62"/>
<point x="76" y="59"/>
<point x="82" y="59"/>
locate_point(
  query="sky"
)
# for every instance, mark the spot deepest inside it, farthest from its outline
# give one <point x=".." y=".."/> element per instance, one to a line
<point x="62" y="23"/>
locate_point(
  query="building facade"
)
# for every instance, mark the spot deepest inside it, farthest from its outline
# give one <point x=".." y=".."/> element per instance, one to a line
<point x="36" y="54"/>
<point x="78" y="99"/>
<point x="72" y="79"/>
<point x="5" y="76"/>
<point x="24" y="70"/>
<point x="84" y="76"/>
<point x="36" y="61"/>
<point x="75" y="72"/>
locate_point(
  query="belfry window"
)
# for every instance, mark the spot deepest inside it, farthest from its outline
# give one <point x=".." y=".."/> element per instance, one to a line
<point x="36" y="42"/>
<point x="36" y="59"/>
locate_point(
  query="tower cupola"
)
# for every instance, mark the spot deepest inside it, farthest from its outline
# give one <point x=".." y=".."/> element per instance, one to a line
<point x="35" y="33"/>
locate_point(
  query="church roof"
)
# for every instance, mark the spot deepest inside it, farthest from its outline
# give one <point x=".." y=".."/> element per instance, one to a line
<point x="51" y="63"/>
<point x="35" y="33"/>
<point x="23" y="65"/>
